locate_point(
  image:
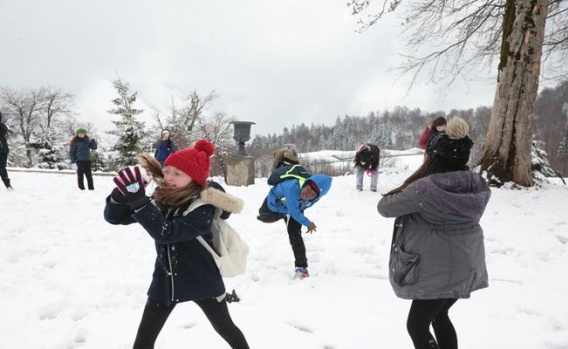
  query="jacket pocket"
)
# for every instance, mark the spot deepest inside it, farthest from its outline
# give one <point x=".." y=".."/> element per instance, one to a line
<point x="404" y="266"/>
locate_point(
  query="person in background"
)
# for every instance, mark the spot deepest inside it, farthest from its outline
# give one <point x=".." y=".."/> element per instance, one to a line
<point x="4" y="150"/>
<point x="184" y="270"/>
<point x="367" y="158"/>
<point x="425" y="135"/>
<point x="433" y="127"/>
<point x="80" y="154"/>
<point x="437" y="252"/>
<point x="164" y="147"/>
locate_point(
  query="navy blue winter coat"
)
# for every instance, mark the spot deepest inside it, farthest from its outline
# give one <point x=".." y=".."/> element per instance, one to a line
<point x="164" y="149"/>
<point x="184" y="270"/>
<point x="81" y="149"/>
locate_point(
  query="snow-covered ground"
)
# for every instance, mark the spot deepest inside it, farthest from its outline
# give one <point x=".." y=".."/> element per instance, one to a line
<point x="70" y="280"/>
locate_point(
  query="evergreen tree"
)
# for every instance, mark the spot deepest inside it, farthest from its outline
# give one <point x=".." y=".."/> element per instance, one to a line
<point x="129" y="130"/>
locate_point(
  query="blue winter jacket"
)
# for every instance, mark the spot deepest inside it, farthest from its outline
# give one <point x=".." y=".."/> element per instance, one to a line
<point x="81" y="149"/>
<point x="285" y="197"/>
<point x="164" y="149"/>
<point x="184" y="270"/>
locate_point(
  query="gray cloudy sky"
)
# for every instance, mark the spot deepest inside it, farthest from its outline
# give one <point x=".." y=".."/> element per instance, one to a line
<point x="276" y="63"/>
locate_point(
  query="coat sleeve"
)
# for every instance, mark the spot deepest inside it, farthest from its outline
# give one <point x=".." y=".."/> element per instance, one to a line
<point x="424" y="138"/>
<point x="293" y="205"/>
<point x="72" y="154"/>
<point x="183" y="228"/>
<point x="93" y="144"/>
<point x="117" y="214"/>
<point x="398" y="204"/>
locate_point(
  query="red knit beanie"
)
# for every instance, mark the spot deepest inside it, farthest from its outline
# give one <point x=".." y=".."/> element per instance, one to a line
<point x="194" y="162"/>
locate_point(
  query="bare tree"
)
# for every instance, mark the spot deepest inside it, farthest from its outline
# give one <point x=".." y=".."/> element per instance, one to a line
<point x="184" y="119"/>
<point x="466" y="34"/>
<point x="25" y="107"/>
<point x="218" y="130"/>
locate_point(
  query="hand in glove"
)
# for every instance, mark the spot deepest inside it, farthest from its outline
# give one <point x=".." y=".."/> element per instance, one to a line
<point x="74" y="166"/>
<point x="130" y="188"/>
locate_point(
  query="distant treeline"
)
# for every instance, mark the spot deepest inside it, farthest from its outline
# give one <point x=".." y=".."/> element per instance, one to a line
<point x="401" y="128"/>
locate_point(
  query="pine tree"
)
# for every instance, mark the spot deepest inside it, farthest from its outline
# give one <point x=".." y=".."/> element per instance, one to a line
<point x="129" y="130"/>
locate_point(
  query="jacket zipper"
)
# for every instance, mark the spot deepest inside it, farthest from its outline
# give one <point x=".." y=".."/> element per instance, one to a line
<point x="171" y="272"/>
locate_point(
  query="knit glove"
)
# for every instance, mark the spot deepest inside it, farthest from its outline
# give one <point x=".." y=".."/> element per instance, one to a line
<point x="130" y="188"/>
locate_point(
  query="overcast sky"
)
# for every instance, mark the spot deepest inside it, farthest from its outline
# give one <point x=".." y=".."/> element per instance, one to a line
<point x="276" y="63"/>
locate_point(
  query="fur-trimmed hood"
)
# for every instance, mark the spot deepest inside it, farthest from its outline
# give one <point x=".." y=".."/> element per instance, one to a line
<point x="224" y="201"/>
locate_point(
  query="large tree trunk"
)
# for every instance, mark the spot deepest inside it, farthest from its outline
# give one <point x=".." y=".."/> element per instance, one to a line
<point x="507" y="150"/>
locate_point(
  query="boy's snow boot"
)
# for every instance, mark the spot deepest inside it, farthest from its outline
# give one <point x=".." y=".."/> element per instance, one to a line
<point x="301" y="273"/>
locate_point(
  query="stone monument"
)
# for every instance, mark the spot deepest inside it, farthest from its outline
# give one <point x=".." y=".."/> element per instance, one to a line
<point x="240" y="166"/>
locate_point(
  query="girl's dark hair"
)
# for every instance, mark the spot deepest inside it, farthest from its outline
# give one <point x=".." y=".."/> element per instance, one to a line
<point x="428" y="167"/>
<point x="439" y="121"/>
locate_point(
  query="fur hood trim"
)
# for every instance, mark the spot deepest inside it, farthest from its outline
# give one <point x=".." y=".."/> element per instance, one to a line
<point x="224" y="201"/>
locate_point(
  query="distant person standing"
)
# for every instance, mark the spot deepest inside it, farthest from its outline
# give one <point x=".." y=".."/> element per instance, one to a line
<point x="367" y="159"/>
<point x="4" y="150"/>
<point x="80" y="154"/>
<point x="164" y="147"/>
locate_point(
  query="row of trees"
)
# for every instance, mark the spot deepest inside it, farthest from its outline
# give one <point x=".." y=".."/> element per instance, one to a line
<point x="41" y="123"/>
<point x="401" y="128"/>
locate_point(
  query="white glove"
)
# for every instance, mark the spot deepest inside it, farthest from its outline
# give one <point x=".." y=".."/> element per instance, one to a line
<point x="74" y="166"/>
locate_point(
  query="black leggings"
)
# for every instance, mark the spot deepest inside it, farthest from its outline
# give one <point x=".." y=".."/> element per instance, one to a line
<point x="84" y="169"/>
<point x="294" y="232"/>
<point x="425" y="312"/>
<point x="156" y="314"/>
<point x="297" y="242"/>
<point x="3" y="172"/>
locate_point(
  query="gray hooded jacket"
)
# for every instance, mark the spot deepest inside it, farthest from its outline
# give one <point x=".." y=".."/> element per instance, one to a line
<point x="437" y="249"/>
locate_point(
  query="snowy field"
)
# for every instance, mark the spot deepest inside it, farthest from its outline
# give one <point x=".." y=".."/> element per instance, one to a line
<point x="70" y="280"/>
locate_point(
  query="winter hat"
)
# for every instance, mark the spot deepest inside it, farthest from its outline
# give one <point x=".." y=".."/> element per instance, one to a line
<point x="290" y="155"/>
<point x="194" y="162"/>
<point x="314" y="186"/>
<point x="80" y="130"/>
<point x="165" y="132"/>
<point x="451" y="148"/>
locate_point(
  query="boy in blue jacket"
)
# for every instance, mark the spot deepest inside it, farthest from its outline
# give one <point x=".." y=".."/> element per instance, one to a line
<point x="288" y="200"/>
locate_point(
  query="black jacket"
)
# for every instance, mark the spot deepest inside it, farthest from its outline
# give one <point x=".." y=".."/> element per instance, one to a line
<point x="3" y="142"/>
<point x="367" y="156"/>
<point x="184" y="270"/>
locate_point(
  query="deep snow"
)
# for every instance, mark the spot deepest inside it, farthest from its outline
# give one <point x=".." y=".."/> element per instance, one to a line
<point x="70" y="280"/>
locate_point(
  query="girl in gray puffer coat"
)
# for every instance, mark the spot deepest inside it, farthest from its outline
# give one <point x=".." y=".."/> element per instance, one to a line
<point x="437" y="252"/>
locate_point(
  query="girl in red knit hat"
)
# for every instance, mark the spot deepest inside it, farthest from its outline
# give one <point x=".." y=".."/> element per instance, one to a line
<point x="184" y="270"/>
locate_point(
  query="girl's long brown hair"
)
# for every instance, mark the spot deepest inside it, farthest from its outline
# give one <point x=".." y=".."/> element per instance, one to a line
<point x="164" y="196"/>
<point x="428" y="167"/>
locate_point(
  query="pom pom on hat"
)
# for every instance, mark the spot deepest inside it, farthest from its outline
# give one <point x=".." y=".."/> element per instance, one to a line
<point x="290" y="155"/>
<point x="194" y="162"/>
<point x="457" y="128"/>
<point x="451" y="148"/>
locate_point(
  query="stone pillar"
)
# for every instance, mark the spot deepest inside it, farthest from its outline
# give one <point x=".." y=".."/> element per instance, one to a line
<point x="240" y="170"/>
